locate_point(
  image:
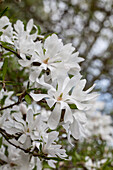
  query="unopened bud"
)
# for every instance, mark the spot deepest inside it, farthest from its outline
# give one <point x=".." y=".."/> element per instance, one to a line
<point x="23" y="108"/>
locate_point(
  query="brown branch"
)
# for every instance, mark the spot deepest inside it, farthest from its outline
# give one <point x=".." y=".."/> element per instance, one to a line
<point x="10" y="106"/>
<point x="33" y="153"/>
<point x="11" y="51"/>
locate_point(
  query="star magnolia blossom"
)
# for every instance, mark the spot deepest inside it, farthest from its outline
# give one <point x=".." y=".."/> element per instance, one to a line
<point x="54" y="72"/>
<point x="56" y="57"/>
<point x="53" y="150"/>
<point x="61" y="97"/>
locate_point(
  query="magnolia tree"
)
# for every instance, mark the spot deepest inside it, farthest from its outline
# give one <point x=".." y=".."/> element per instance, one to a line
<point x="51" y="104"/>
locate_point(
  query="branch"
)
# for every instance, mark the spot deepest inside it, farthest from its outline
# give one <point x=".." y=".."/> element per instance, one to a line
<point x="11" y="51"/>
<point x="10" y="106"/>
<point x="33" y="153"/>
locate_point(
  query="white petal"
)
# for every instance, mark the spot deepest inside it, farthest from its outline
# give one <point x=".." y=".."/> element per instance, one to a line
<point x="54" y="117"/>
<point x="68" y="115"/>
<point x="22" y="138"/>
<point x="74" y="127"/>
<point x="38" y="97"/>
<point x="29" y="25"/>
<point x="24" y="63"/>
<point x="50" y="102"/>
<point x="51" y="137"/>
<point x="29" y="116"/>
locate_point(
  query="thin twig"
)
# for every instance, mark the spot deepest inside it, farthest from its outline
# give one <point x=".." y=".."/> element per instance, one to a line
<point x="33" y="153"/>
<point x="10" y="106"/>
<point x="11" y="51"/>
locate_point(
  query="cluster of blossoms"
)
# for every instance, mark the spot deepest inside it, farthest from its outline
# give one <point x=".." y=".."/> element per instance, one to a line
<point x="99" y="124"/>
<point x="30" y="131"/>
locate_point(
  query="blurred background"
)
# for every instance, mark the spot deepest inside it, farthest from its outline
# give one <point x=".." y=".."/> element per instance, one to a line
<point x="87" y="24"/>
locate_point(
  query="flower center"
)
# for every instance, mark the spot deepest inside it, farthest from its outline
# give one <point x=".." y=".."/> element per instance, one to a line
<point x="60" y="97"/>
<point x="46" y="61"/>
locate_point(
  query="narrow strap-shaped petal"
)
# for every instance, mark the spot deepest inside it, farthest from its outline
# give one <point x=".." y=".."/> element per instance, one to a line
<point x="38" y="97"/>
<point x="54" y="117"/>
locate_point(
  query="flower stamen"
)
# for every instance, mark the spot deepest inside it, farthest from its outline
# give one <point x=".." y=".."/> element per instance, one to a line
<point x="46" y="61"/>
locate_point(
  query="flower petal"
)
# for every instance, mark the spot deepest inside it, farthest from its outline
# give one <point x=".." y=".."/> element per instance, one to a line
<point x="38" y="97"/>
<point x="54" y="117"/>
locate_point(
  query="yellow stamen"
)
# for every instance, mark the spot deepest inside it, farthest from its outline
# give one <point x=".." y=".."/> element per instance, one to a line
<point x="60" y="97"/>
<point x="46" y="61"/>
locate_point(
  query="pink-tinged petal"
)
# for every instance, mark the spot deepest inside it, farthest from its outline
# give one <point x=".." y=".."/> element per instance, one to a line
<point x="54" y="117"/>
<point x="29" y="25"/>
<point x="74" y="127"/>
<point x="38" y="97"/>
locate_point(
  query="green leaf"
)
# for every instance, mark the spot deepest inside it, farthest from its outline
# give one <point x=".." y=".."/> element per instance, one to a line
<point x="2" y="101"/>
<point x="1" y="142"/>
<point x="35" y="168"/>
<point x="28" y="99"/>
<point x="39" y="29"/>
<point x="72" y="106"/>
<point x="5" y="65"/>
<point x="3" y="12"/>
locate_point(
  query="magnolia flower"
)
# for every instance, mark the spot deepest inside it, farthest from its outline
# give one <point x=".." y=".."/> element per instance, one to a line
<point x="67" y="91"/>
<point x="6" y="95"/>
<point x="6" y="29"/>
<point x="32" y="128"/>
<point x="4" y="21"/>
<point x="16" y="159"/>
<point x="91" y="165"/>
<point x="24" y="41"/>
<point x="78" y="127"/>
<point x="52" y="149"/>
<point x="56" y="57"/>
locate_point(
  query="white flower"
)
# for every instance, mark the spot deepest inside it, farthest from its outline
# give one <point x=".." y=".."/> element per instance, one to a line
<point x="6" y="95"/>
<point x="24" y="41"/>
<point x="4" y="21"/>
<point x="99" y="124"/>
<point x="90" y="165"/>
<point x="61" y="97"/>
<point x="33" y="128"/>
<point x="56" y="57"/>
<point x="78" y="127"/>
<point x="52" y="149"/>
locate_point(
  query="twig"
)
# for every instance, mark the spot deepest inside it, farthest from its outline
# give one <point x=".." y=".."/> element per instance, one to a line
<point x="11" y="51"/>
<point x="33" y="153"/>
<point x="10" y="106"/>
